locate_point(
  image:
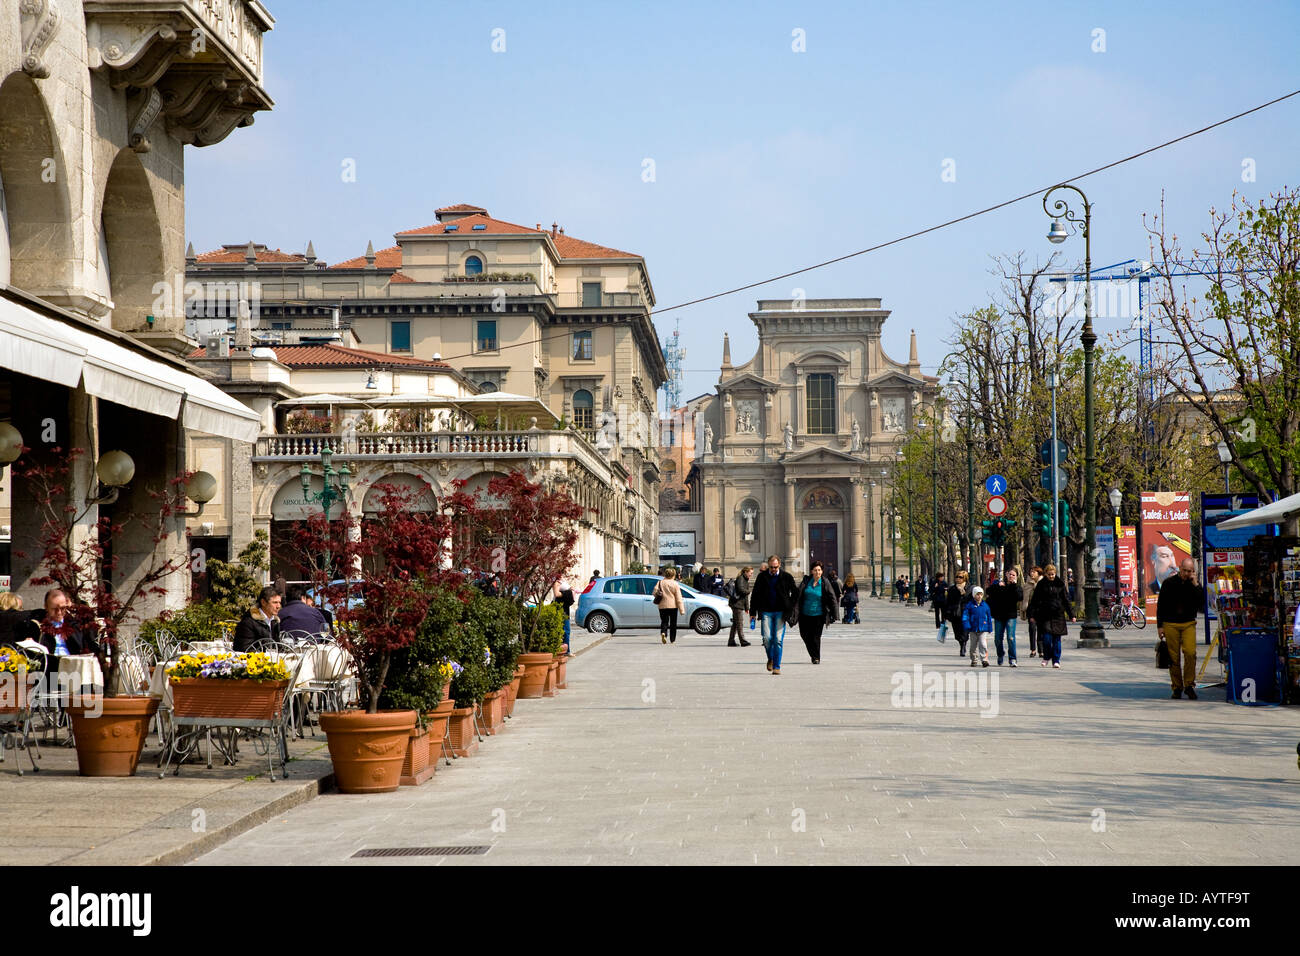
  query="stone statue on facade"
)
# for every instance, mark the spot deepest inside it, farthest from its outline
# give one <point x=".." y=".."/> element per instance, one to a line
<point x="708" y="439"/>
<point x="857" y="435"/>
<point x="788" y="432"/>
<point x="749" y="514"/>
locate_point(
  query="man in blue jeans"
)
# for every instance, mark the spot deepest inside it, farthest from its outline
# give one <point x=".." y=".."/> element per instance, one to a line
<point x="1004" y="599"/>
<point x="771" y="601"/>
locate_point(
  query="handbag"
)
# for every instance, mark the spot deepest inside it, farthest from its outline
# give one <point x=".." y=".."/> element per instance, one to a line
<point x="1164" y="660"/>
<point x="659" y="595"/>
<point x="1057" y="627"/>
<point x="943" y="632"/>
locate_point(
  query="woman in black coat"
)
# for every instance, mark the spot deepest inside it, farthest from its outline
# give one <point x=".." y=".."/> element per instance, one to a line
<point x="954" y="602"/>
<point x="816" y="606"/>
<point x="1050" y="603"/>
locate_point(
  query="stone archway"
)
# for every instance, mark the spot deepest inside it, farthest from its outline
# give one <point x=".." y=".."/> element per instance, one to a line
<point x="36" y="228"/>
<point x="132" y="234"/>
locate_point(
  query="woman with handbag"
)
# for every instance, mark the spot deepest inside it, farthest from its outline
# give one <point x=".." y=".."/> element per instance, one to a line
<point x="668" y="598"/>
<point x="954" y="604"/>
<point x="1050" y="607"/>
<point x="816" y="604"/>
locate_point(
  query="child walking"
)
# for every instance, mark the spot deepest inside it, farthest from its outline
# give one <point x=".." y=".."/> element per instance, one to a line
<point x="977" y="620"/>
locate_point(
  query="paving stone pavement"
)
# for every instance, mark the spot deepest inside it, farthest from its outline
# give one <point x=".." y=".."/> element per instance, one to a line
<point x="693" y="753"/>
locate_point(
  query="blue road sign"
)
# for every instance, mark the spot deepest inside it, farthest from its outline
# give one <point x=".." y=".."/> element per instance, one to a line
<point x="1062" y="452"/>
<point x="995" y="484"/>
<point x="1062" y="480"/>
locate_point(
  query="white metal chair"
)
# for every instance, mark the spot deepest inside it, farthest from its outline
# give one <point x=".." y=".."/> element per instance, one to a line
<point x="16" y="728"/>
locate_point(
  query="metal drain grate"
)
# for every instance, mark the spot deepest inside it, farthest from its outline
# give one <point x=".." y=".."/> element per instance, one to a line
<point x="423" y="851"/>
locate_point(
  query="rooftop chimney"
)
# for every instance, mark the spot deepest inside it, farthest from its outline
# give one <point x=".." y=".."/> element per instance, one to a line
<point x="554" y="226"/>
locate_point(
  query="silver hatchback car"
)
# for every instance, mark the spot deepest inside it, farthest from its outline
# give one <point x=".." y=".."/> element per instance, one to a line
<point x="626" y="600"/>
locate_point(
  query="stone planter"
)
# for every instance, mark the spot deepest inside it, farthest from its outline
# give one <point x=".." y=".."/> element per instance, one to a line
<point x="492" y="711"/>
<point x="438" y="727"/>
<point x="462" y="737"/>
<point x="416" y="766"/>
<point x="561" y="680"/>
<point x="548" y="689"/>
<point x="367" y="749"/>
<point x="110" y="733"/>
<point x="535" y="666"/>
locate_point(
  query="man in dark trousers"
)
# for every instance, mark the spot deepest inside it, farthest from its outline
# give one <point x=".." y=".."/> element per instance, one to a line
<point x="1180" y="598"/>
<point x="1004" y="600"/>
<point x="938" y="596"/>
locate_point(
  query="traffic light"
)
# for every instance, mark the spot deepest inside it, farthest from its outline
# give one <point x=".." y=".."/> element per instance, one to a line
<point x="1041" y="512"/>
<point x="986" y="531"/>
<point x="999" y="530"/>
<point x="1063" y="524"/>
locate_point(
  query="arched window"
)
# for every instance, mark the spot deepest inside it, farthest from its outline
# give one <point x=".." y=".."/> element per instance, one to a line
<point x="488" y="386"/>
<point x="584" y="415"/>
<point x="821" y="404"/>
<point x="473" y="266"/>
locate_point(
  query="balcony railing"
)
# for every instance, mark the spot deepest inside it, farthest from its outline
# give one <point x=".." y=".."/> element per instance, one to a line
<point x="416" y="445"/>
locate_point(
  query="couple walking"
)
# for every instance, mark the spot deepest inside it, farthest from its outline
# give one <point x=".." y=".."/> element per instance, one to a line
<point x="776" y="601"/>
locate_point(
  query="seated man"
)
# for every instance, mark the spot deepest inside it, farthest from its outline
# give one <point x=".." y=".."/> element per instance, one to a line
<point x="259" y="622"/>
<point x="298" y="615"/>
<point x="59" y="633"/>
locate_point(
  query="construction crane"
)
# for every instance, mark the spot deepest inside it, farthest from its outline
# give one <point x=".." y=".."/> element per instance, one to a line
<point x="673" y="355"/>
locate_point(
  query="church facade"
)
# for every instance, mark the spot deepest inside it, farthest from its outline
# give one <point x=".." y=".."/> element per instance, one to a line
<point x="799" y="444"/>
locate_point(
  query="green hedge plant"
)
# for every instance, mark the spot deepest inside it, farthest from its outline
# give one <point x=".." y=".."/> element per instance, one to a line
<point x="543" y="628"/>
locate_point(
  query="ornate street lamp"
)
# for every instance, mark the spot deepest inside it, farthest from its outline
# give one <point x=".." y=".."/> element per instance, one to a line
<point x="1225" y="459"/>
<point x="1092" y="634"/>
<point x="871" y="488"/>
<point x="333" y="490"/>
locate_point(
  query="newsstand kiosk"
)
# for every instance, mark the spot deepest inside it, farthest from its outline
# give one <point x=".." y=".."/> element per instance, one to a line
<point x="1258" y="638"/>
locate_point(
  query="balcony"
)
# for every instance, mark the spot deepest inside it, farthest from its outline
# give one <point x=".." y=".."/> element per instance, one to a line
<point x="422" y="446"/>
<point x="195" y="65"/>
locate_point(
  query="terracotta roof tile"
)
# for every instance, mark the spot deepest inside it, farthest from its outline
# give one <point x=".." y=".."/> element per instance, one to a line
<point x="571" y="248"/>
<point x="461" y="207"/>
<point x="390" y="258"/>
<point x="567" y="246"/>
<point x="400" y="277"/>
<point x="231" y="254"/>
<point x="340" y="356"/>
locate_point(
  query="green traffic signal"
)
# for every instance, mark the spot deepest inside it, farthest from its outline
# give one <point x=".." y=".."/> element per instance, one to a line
<point x="1041" y="513"/>
<point x="1065" y="518"/>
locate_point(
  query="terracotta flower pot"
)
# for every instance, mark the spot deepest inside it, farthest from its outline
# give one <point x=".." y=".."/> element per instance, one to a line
<point x="367" y="749"/>
<point x="548" y="689"/>
<point x="438" y="727"/>
<point x="493" y="711"/>
<point x="534" y="679"/>
<point x="561" y="680"/>
<point x="232" y="699"/>
<point x="462" y="737"/>
<point x="109" y="745"/>
<point x="512" y="690"/>
<point x="416" y="766"/>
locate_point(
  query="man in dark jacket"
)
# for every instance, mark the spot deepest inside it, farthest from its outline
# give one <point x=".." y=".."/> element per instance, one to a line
<point x="260" y="622"/>
<point x="772" y="601"/>
<point x="298" y="615"/>
<point x="59" y="633"/>
<point x="1180" y="598"/>
<point x="738" y="597"/>
<point x="1004" y="600"/>
<point x="938" y="599"/>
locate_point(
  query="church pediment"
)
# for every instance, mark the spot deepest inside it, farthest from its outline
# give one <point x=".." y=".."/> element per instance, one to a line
<point x="894" y="379"/>
<point x="822" y="456"/>
<point x="747" y="380"/>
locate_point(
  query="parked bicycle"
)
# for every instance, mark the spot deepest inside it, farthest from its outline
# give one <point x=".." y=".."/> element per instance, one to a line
<point x="1127" y="611"/>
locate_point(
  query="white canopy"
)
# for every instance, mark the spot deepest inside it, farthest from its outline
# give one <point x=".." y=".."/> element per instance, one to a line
<point x="43" y="347"/>
<point x="1274" y="513"/>
<point x="324" y="398"/>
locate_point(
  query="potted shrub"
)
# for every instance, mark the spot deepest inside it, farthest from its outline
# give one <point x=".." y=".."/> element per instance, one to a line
<point x="468" y="688"/>
<point x="109" y="728"/>
<point x="233" y="686"/>
<point x="498" y="621"/>
<point x="419" y="681"/>
<point x="543" y="638"/>
<point x="400" y="558"/>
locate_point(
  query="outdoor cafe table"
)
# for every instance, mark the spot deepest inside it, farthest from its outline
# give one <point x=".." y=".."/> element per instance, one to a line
<point x="79" y="670"/>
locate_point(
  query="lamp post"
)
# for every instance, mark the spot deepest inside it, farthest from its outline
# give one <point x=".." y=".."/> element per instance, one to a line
<point x="893" y="546"/>
<point x="332" y="491"/>
<point x="883" y="475"/>
<point x="1225" y="458"/>
<point x="910" y="536"/>
<point x="1056" y="489"/>
<point x="970" y="487"/>
<point x="871" y="489"/>
<point x="934" y="490"/>
<point x="1092" y="634"/>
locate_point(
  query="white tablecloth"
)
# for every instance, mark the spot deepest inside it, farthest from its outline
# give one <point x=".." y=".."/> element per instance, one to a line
<point x="78" y="670"/>
<point x="212" y="647"/>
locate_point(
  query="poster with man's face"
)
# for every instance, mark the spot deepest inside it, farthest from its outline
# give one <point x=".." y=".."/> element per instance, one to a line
<point x="1166" y="539"/>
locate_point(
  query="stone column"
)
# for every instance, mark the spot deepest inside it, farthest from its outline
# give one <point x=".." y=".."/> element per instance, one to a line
<point x="790" y="524"/>
<point x="851" y="548"/>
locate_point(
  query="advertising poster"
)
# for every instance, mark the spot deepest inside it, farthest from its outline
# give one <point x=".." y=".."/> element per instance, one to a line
<point x="1128" y="552"/>
<point x="1106" y="545"/>
<point x="1166" y="538"/>
<point x="1223" y="555"/>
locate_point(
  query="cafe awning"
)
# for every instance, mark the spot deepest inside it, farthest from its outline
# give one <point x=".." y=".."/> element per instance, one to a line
<point x="42" y="346"/>
<point x="1274" y="513"/>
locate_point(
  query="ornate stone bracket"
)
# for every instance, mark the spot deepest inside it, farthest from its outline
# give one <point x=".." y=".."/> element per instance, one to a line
<point x="150" y="105"/>
<point x="40" y="22"/>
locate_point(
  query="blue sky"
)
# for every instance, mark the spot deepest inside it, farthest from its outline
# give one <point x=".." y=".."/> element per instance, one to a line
<point x="765" y="159"/>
